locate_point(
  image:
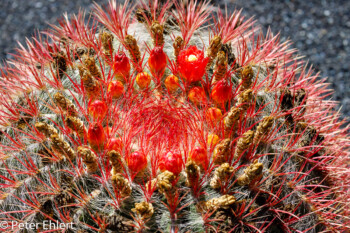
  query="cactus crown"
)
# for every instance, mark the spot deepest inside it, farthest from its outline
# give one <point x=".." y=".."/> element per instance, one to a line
<point x="169" y="117"/>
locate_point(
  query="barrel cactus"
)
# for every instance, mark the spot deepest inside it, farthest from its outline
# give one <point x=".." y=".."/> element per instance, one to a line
<point x="166" y="116"/>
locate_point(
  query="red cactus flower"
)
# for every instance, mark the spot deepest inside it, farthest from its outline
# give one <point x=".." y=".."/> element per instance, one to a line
<point x="157" y="61"/>
<point x="116" y="89"/>
<point x="96" y="135"/>
<point x="137" y="162"/>
<point x="115" y="144"/>
<point x="199" y="156"/>
<point x="197" y="95"/>
<point x="214" y="115"/>
<point x="171" y="83"/>
<point x="221" y="92"/>
<point x="121" y="66"/>
<point x="143" y="79"/>
<point x="97" y="109"/>
<point x="171" y="161"/>
<point x="192" y="64"/>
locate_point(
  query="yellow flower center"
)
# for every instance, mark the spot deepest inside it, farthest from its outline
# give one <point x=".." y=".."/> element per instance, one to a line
<point x="192" y="58"/>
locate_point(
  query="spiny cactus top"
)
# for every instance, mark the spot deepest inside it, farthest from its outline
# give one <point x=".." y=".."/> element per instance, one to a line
<point x="168" y="117"/>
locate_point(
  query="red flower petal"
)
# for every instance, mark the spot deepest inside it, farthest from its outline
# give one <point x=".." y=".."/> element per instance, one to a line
<point x="96" y="134"/>
<point x="171" y="161"/>
<point x="137" y="161"/>
<point x="121" y="65"/>
<point x="157" y="61"/>
<point x="221" y="92"/>
<point x="192" y="64"/>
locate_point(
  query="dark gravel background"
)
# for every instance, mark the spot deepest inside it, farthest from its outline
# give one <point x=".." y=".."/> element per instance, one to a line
<point x="320" y="29"/>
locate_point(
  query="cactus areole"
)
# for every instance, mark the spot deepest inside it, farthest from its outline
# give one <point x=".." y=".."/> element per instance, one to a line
<point x="168" y="117"/>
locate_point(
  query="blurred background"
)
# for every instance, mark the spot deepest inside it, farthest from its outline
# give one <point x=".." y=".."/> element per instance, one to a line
<point x="319" y="29"/>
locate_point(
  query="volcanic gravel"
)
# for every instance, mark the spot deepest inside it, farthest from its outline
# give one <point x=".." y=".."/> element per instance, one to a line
<point x="319" y="29"/>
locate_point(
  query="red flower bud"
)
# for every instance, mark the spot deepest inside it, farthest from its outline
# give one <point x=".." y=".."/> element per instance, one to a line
<point x="197" y="95"/>
<point x="116" y="89"/>
<point x="192" y="64"/>
<point x="97" y="108"/>
<point x="121" y="66"/>
<point x="137" y="162"/>
<point x="115" y="144"/>
<point x="96" y="135"/>
<point x="212" y="140"/>
<point x="221" y="92"/>
<point x="171" y="83"/>
<point x="214" y="115"/>
<point x="143" y="80"/>
<point x="171" y="161"/>
<point x="199" y="156"/>
<point x="157" y="61"/>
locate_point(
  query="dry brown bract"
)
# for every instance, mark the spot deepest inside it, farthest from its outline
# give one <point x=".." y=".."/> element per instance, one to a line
<point x="223" y="202"/>
<point x="263" y="129"/>
<point x="250" y="173"/>
<point x="192" y="172"/>
<point x="89" y="159"/>
<point x="243" y="143"/>
<point x="121" y="184"/>
<point x="91" y="66"/>
<point x="231" y="121"/>
<point x="165" y="182"/>
<point x="221" y="175"/>
<point x="247" y="76"/>
<point x="65" y="104"/>
<point x="133" y="48"/>
<point x="45" y="128"/>
<point x="91" y="85"/>
<point x="116" y="161"/>
<point x="143" y="209"/>
<point x="220" y="67"/>
<point x="214" y="47"/>
<point x="222" y="151"/>
<point x="61" y="146"/>
<point x="76" y="125"/>
<point x="157" y="33"/>
<point x="178" y="46"/>
<point x="107" y="39"/>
